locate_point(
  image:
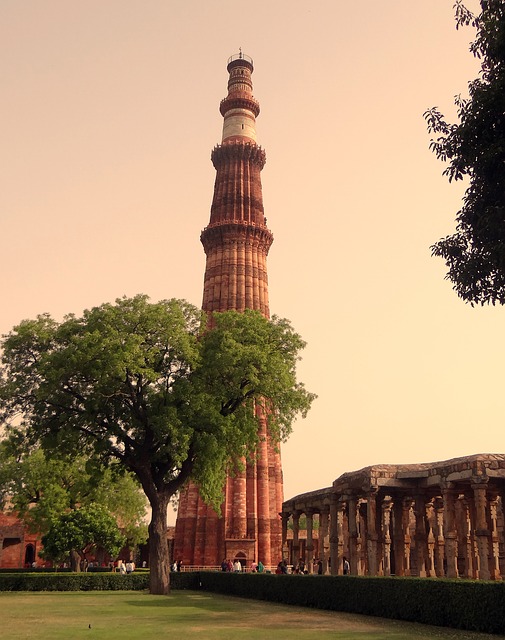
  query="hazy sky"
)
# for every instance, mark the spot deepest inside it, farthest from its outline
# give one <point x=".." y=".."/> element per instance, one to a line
<point x="108" y="114"/>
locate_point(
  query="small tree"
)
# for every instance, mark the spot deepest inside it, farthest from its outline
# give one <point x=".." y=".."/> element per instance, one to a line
<point x="475" y="147"/>
<point x="41" y="488"/>
<point x="150" y="386"/>
<point x="78" y="532"/>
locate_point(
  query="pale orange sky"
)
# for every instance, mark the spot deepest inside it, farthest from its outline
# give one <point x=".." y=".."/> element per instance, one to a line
<point x="109" y="111"/>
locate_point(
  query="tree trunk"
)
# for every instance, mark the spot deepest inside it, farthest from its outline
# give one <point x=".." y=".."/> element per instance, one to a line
<point x="75" y="561"/>
<point x="159" y="562"/>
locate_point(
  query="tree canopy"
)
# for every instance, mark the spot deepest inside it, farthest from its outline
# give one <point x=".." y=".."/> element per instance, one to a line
<point x="77" y="532"/>
<point x="151" y="386"/>
<point x="42" y="487"/>
<point x="475" y="147"/>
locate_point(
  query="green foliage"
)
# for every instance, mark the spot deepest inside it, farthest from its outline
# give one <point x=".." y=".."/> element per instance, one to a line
<point x="45" y="581"/>
<point x="140" y="383"/>
<point x="475" y="147"/>
<point x="302" y="523"/>
<point x="82" y="530"/>
<point x="43" y="487"/>
<point x="151" y="386"/>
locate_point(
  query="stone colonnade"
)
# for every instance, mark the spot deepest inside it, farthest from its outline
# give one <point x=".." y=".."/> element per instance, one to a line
<point x="443" y="519"/>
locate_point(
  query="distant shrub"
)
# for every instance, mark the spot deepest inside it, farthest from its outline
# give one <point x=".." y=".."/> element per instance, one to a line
<point x="25" y="580"/>
<point x="73" y="581"/>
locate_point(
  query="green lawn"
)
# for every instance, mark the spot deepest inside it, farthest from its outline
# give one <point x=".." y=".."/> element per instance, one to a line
<point x="132" y="615"/>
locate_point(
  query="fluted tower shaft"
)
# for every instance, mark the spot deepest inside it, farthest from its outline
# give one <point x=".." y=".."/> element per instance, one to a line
<point x="237" y="240"/>
<point x="236" y="243"/>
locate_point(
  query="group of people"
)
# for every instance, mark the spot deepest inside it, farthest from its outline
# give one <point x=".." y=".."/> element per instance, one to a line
<point x="317" y="567"/>
<point x="123" y="567"/>
<point x="236" y="566"/>
<point x="176" y="565"/>
<point x="299" y="568"/>
<point x="257" y="567"/>
<point x="229" y="566"/>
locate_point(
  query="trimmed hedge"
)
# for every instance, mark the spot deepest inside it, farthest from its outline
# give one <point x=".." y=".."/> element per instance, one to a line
<point x="91" y="581"/>
<point x="37" y="570"/>
<point x="459" y="604"/>
<point x="73" y="582"/>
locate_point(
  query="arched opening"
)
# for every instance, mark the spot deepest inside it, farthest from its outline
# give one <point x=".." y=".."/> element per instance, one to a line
<point x="29" y="555"/>
<point x="242" y="558"/>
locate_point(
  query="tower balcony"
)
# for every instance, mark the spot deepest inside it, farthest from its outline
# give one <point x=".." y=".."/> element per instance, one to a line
<point x="239" y="59"/>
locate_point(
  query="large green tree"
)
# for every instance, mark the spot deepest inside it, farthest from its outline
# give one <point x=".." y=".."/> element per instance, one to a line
<point x="149" y="385"/>
<point x="475" y="147"/>
<point x="41" y="488"/>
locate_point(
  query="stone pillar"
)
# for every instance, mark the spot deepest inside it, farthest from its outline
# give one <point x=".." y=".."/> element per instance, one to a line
<point x="361" y="538"/>
<point x="440" y="539"/>
<point x="341" y="536"/>
<point x="323" y="537"/>
<point x="420" y="536"/>
<point x="398" y="537"/>
<point x="372" y="535"/>
<point x="501" y="531"/>
<point x="431" y="520"/>
<point x="310" y="542"/>
<point x="495" y="539"/>
<point x="386" y="529"/>
<point x="334" y="537"/>
<point x="479" y="487"/>
<point x="296" y="539"/>
<point x="467" y="537"/>
<point x="406" y="507"/>
<point x="353" y="535"/>
<point x="450" y="534"/>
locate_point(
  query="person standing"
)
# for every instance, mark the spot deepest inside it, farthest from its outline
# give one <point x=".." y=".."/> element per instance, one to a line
<point x="347" y="568"/>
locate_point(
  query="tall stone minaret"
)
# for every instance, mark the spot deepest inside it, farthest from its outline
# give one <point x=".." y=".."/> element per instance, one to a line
<point x="236" y="243"/>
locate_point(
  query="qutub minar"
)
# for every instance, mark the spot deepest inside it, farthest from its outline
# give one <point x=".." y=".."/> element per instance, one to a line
<point x="236" y="243"/>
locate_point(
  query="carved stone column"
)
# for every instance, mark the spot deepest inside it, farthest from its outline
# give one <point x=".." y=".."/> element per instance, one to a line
<point x="386" y="532"/>
<point x="296" y="536"/>
<point x="372" y="535"/>
<point x="431" y="520"/>
<point x="341" y="506"/>
<point x="479" y="486"/>
<point x="406" y="507"/>
<point x="466" y="537"/>
<point x="420" y="536"/>
<point x="439" y="539"/>
<point x="310" y="541"/>
<point x="450" y="534"/>
<point x="333" y="536"/>
<point x="353" y="534"/>
<point x="398" y="537"/>
<point x="495" y="539"/>
<point x="501" y="531"/>
<point x="323" y="537"/>
<point x="361" y="526"/>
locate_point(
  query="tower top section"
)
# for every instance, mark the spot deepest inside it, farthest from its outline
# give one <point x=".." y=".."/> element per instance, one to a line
<point x="239" y="58"/>
<point x="239" y="109"/>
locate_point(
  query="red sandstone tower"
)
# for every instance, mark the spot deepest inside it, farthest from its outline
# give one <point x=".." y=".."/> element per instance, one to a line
<point x="236" y="243"/>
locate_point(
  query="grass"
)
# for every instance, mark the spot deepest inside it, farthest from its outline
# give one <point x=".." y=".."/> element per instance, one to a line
<point x="132" y="615"/>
